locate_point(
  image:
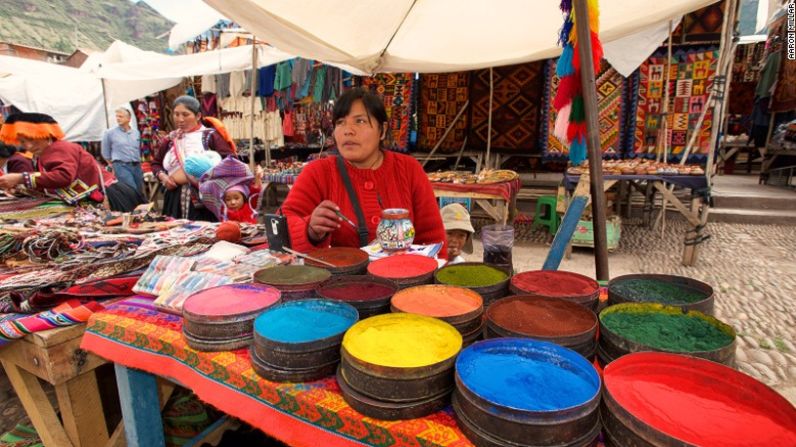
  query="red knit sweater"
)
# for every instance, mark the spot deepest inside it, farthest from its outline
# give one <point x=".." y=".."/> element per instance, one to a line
<point x="399" y="182"/>
<point x="62" y="163"/>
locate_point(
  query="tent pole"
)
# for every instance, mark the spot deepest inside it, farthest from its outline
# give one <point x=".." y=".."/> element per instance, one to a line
<point x="489" y="120"/>
<point x="105" y="104"/>
<point x="592" y="138"/>
<point x="251" y="118"/>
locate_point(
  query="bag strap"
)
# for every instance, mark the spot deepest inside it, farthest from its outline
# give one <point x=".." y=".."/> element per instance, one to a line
<point x="362" y="228"/>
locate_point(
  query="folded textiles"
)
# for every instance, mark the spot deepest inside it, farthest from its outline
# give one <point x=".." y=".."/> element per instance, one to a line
<point x="265" y="258"/>
<point x="375" y="251"/>
<point x="68" y="313"/>
<point x="162" y="271"/>
<point x="224" y="251"/>
<point x="237" y="272"/>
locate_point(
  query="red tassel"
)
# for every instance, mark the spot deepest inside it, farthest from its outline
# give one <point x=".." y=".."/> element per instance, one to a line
<point x="568" y="87"/>
<point x="597" y="51"/>
<point x="576" y="131"/>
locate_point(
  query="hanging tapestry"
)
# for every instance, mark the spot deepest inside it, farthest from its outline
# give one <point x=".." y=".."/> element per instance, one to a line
<point x="396" y="91"/>
<point x="784" y="98"/>
<point x="745" y="74"/>
<point x="516" y="106"/>
<point x="702" y="25"/>
<point x="147" y="114"/>
<point x="441" y="98"/>
<point x="611" y="94"/>
<point x="691" y="78"/>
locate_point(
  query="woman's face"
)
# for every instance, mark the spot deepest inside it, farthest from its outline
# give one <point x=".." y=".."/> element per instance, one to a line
<point x="184" y="119"/>
<point x="357" y="135"/>
<point x="34" y="146"/>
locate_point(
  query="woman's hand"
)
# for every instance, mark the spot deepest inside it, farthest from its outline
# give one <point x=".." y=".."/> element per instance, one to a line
<point x="323" y="220"/>
<point x="167" y="181"/>
<point x="9" y="181"/>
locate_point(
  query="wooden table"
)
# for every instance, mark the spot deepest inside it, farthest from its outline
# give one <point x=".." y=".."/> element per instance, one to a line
<point x="499" y="202"/>
<point x="55" y="357"/>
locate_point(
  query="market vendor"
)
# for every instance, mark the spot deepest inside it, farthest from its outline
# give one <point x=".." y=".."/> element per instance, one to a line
<point x="62" y="169"/>
<point x="380" y="180"/>
<point x="193" y="135"/>
<point x="12" y="161"/>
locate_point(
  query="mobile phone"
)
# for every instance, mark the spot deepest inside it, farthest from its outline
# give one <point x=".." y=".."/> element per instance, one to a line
<point x="276" y="232"/>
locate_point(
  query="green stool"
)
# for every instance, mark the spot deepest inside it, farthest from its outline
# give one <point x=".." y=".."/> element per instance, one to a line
<point x="546" y="215"/>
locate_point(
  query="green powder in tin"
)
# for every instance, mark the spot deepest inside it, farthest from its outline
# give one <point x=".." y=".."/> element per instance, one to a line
<point x="471" y="275"/>
<point x="656" y="291"/>
<point x="669" y="332"/>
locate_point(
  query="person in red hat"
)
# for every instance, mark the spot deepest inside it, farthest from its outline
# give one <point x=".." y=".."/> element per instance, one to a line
<point x="62" y="169"/>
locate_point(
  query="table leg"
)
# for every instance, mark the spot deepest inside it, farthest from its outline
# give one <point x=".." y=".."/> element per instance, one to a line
<point x="37" y="406"/>
<point x="694" y="235"/>
<point x="138" y="393"/>
<point x="81" y="411"/>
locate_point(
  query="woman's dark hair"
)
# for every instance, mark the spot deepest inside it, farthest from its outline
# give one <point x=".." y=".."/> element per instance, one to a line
<point x="374" y="106"/>
<point x="189" y="102"/>
<point x="6" y="150"/>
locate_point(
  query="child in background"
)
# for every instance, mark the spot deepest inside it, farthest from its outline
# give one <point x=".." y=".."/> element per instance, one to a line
<point x="459" y="231"/>
<point x="236" y="200"/>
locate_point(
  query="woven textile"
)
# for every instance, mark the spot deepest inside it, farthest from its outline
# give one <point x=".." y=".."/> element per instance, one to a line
<point x="396" y="90"/>
<point x="784" y="98"/>
<point x="517" y="100"/>
<point x="441" y="98"/>
<point x="701" y="25"/>
<point x="33" y="209"/>
<point x="214" y="184"/>
<point x="745" y="74"/>
<point x="134" y="334"/>
<point x="14" y="326"/>
<point x="691" y="79"/>
<point x="611" y="94"/>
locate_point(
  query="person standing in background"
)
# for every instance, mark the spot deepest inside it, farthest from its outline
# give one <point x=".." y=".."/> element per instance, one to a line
<point x="120" y="148"/>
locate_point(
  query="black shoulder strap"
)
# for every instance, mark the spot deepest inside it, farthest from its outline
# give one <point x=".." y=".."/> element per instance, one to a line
<point x="362" y="228"/>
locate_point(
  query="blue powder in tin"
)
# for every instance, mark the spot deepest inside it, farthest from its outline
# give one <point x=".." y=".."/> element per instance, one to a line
<point x="304" y="321"/>
<point x="527" y="375"/>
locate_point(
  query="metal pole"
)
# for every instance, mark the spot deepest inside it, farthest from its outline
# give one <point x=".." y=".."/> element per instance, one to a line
<point x="251" y="119"/>
<point x="592" y="138"/>
<point x="489" y="121"/>
<point x="105" y="104"/>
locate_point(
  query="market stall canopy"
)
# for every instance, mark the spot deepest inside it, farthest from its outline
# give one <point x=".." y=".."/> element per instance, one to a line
<point x="72" y="97"/>
<point x="433" y="35"/>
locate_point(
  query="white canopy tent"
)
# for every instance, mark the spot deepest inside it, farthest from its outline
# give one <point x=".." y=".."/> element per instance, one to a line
<point x="434" y="35"/>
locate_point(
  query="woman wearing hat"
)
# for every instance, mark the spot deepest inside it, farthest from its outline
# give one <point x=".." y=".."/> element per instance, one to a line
<point x="459" y="231"/>
<point x="62" y="169"/>
<point x="193" y="136"/>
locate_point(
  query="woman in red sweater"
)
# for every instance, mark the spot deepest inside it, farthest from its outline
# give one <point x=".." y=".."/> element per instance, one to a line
<point x="63" y="169"/>
<point x="381" y="179"/>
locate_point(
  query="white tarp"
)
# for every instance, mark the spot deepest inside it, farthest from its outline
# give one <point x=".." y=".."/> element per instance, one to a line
<point x="70" y="96"/>
<point x="433" y="35"/>
<point x="627" y="53"/>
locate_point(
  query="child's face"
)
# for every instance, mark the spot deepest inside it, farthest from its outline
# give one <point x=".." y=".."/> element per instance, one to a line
<point x="234" y="200"/>
<point x="456" y="241"/>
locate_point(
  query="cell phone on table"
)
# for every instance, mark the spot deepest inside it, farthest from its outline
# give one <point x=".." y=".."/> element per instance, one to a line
<point x="276" y="232"/>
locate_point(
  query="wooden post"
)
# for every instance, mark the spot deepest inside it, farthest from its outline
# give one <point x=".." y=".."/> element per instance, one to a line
<point x="592" y="139"/>
<point x="489" y="120"/>
<point x="251" y="119"/>
<point x="138" y="392"/>
<point x="105" y="104"/>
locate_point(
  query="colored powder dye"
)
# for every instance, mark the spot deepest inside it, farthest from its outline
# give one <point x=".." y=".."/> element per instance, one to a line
<point x="527" y="374"/>
<point x="437" y="301"/>
<point x="402" y="340"/>
<point x="539" y="316"/>
<point x="357" y="291"/>
<point x="699" y="402"/>
<point x="554" y="283"/>
<point x="305" y="321"/>
<point x="675" y="332"/>
<point x="339" y="256"/>
<point x="657" y="291"/>
<point x="233" y="299"/>
<point x="292" y="275"/>
<point x="471" y="275"/>
<point x="402" y="266"/>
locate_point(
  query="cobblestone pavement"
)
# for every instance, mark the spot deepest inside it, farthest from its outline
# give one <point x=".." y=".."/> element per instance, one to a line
<point x="752" y="269"/>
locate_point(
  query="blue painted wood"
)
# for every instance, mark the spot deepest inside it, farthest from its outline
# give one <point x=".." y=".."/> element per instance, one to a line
<point x="565" y="232"/>
<point x="138" y="394"/>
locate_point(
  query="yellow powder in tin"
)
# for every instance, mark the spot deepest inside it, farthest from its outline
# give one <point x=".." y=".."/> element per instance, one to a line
<point x="402" y="340"/>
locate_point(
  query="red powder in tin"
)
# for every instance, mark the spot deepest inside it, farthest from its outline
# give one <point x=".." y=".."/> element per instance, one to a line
<point x="402" y="266"/>
<point x="541" y="316"/>
<point x="357" y="291"/>
<point x="700" y="402"/>
<point x="554" y="283"/>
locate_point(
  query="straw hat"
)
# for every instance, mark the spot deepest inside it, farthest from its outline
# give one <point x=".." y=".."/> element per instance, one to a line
<point x="456" y="217"/>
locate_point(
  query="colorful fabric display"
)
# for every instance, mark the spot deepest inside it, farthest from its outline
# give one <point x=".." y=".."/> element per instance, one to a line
<point x="14" y="326"/>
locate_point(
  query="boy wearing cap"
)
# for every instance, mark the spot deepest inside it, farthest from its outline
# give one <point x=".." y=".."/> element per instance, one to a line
<point x="459" y="231"/>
